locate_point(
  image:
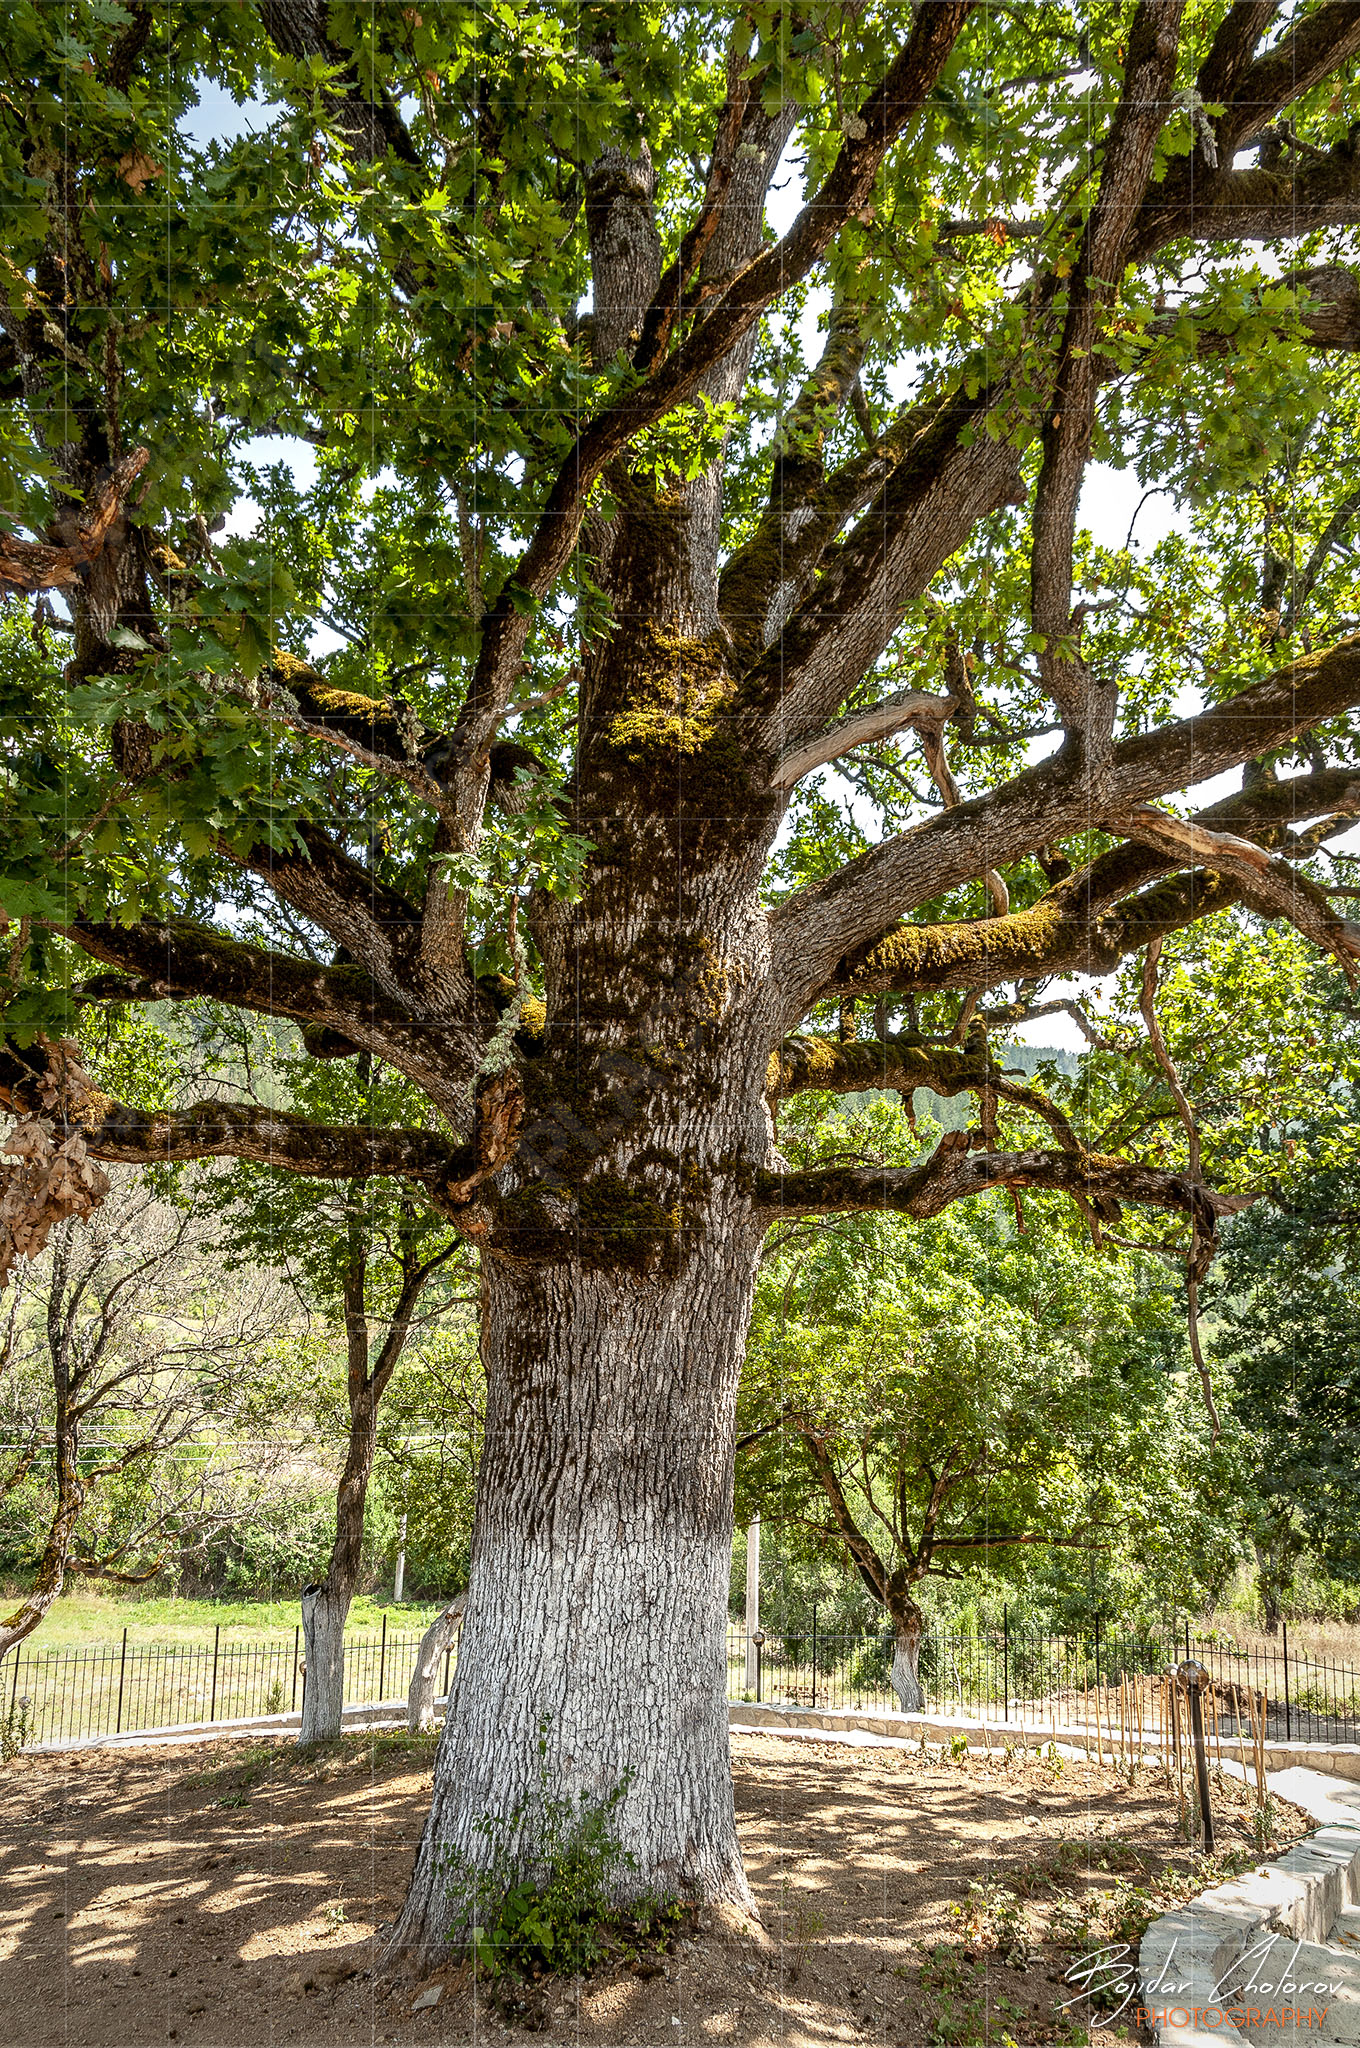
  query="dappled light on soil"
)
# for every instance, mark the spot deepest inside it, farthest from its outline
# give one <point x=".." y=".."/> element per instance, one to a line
<point x="240" y="1895"/>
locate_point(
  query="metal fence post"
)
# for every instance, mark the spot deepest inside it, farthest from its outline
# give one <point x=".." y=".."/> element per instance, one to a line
<point x="759" y="1640"/>
<point x="295" y="1665"/>
<point x="1006" y="1663"/>
<point x="382" y="1658"/>
<point x="217" y="1639"/>
<point x="814" y="1653"/>
<point x="122" y="1673"/>
<point x="1194" y="1676"/>
<point x="1287" y="1722"/>
<point x="447" y="1655"/>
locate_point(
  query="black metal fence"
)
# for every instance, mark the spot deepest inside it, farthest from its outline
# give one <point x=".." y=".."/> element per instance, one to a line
<point x="1018" y="1674"/>
<point x="118" y="1688"/>
<point x="1006" y="1673"/>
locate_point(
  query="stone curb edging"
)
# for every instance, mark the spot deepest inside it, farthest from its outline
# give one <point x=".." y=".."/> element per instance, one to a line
<point x="1341" y="1761"/>
<point x="1188" y="1959"/>
<point x="376" y="1714"/>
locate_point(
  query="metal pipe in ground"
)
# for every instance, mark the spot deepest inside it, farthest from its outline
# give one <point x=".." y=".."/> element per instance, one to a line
<point x="1195" y="1678"/>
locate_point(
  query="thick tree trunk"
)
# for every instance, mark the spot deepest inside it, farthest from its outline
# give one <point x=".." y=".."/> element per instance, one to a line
<point x="905" y="1682"/>
<point x="601" y="1561"/>
<point x="437" y="1639"/>
<point x="909" y="1625"/>
<point x="324" y="1611"/>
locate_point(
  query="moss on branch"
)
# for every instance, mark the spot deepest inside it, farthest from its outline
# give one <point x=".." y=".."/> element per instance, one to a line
<point x="808" y="1063"/>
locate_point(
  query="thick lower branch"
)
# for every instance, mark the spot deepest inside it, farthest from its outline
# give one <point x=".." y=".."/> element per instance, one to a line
<point x="177" y="959"/>
<point x="821" y="930"/>
<point x="955" y="1170"/>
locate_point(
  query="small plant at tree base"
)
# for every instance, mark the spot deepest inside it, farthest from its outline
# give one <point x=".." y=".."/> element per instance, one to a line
<point x="541" y="1898"/>
<point x="1264" y="1823"/>
<point x="1068" y="1924"/>
<point x="958" y="1748"/>
<point x="1053" y="1760"/>
<point x="16" y="1730"/>
<point x="273" y="1699"/>
<point x="334" y="1914"/>
<point x="802" y="1924"/>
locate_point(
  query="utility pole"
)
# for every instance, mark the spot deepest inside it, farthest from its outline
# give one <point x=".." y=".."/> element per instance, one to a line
<point x="752" y="1601"/>
<point x="399" y="1582"/>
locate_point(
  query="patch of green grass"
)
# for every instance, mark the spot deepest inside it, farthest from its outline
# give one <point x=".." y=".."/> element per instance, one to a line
<point x="87" y="1615"/>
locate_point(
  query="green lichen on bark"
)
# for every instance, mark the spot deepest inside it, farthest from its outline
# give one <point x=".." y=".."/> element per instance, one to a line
<point x="678" y="691"/>
<point x="810" y="1064"/>
<point x="919" y="954"/>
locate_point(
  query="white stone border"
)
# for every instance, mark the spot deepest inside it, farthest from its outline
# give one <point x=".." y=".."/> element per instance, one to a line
<point x="379" y="1714"/>
<point x="1186" y="1957"/>
<point x="1341" y="1761"/>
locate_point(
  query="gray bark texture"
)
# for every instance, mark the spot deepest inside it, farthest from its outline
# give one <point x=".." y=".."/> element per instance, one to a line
<point x="905" y="1681"/>
<point x="597" y="1605"/>
<point x="323" y="1687"/>
<point x="438" y="1638"/>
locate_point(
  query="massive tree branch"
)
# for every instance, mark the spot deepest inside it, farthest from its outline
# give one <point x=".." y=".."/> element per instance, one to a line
<point x="826" y="923"/>
<point x="1268" y="878"/>
<point x="1203" y="197"/>
<point x="933" y="496"/>
<point x="955" y="1170"/>
<point x="904" y="1063"/>
<point x="1096" y="917"/>
<point x="40" y="1082"/>
<point x="1069" y="416"/>
<point x="176" y="958"/>
<point x="896" y="101"/>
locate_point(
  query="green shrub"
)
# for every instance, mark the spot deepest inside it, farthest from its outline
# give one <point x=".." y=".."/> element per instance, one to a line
<point x="16" y="1730"/>
<point x="540" y="1897"/>
<point x="871" y="1666"/>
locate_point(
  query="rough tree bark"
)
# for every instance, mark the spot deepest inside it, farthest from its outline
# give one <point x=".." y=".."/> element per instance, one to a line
<point x="908" y="1628"/>
<point x="601" y="1559"/>
<point x="437" y="1639"/>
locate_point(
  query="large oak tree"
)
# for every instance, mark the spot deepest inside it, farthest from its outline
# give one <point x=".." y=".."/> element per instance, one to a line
<point x="494" y="744"/>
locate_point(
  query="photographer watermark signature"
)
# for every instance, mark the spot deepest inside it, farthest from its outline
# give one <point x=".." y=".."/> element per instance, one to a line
<point x="1112" y="1972"/>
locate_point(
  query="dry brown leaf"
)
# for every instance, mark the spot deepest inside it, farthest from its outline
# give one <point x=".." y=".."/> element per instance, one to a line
<point x="137" y="169"/>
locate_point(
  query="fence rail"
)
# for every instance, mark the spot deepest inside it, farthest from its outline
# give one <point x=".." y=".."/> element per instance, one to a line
<point x="118" y="1688"/>
<point x="999" y="1674"/>
<point x="1062" y="1681"/>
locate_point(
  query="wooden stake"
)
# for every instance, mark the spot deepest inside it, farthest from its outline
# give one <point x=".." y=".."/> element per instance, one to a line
<point x="1176" y="1719"/>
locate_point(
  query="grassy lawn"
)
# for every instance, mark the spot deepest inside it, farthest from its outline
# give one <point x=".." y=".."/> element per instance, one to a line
<point x="89" y="1615"/>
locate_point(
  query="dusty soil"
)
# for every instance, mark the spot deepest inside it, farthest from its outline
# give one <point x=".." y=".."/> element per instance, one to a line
<point x="231" y="1897"/>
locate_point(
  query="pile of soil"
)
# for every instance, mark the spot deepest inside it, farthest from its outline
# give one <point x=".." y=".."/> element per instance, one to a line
<point x="240" y="1896"/>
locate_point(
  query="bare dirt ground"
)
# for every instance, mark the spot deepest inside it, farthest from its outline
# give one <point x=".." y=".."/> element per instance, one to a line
<point x="230" y="1897"/>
